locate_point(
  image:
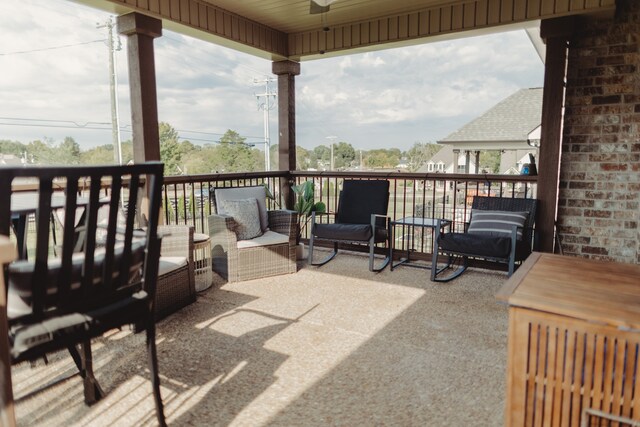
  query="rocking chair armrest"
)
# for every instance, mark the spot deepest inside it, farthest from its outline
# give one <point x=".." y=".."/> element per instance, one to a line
<point x="375" y="217"/>
<point x="314" y="214"/>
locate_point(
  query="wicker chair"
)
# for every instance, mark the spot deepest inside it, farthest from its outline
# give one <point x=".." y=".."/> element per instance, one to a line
<point x="273" y="253"/>
<point x="176" y="281"/>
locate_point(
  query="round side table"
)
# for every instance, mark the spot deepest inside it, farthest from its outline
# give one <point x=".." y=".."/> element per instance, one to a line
<point x="202" y="260"/>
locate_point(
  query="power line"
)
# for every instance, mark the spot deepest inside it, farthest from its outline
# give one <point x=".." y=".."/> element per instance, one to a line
<point x="20" y="52"/>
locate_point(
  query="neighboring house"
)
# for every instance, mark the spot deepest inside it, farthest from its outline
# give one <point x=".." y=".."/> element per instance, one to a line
<point x="442" y="162"/>
<point x="13" y="160"/>
<point x="511" y="126"/>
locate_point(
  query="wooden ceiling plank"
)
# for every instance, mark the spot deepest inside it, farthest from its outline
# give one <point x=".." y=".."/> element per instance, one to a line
<point x="154" y="6"/>
<point x="457" y="17"/>
<point x="469" y="15"/>
<point x="482" y="13"/>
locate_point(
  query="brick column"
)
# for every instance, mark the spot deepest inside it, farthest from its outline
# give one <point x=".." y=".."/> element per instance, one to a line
<point x="599" y="203"/>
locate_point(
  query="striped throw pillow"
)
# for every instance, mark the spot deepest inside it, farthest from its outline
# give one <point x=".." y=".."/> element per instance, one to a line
<point x="496" y="223"/>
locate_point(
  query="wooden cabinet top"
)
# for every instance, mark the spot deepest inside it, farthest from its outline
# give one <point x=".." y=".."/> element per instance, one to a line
<point x="599" y="291"/>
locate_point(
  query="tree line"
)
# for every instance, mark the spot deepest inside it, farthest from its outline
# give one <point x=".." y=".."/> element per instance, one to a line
<point x="230" y="154"/>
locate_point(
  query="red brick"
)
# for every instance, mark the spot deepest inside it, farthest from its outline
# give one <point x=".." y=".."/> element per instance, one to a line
<point x="595" y="213"/>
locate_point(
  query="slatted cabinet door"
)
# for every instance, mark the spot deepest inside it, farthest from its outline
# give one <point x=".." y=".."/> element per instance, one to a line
<point x="560" y="366"/>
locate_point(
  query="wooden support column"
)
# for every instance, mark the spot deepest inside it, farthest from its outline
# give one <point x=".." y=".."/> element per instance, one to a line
<point x="140" y="31"/>
<point x="467" y="161"/>
<point x="477" y="153"/>
<point x="286" y="72"/>
<point x="456" y="159"/>
<point x="556" y="33"/>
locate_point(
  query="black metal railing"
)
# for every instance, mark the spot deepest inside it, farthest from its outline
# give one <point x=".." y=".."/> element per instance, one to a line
<point x="189" y="199"/>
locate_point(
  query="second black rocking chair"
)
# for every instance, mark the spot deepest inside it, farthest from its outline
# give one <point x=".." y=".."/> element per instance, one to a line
<point x="361" y="218"/>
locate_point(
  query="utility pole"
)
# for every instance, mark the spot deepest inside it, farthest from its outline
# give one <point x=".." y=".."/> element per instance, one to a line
<point x="267" y="105"/>
<point x="113" y="87"/>
<point x="332" y="139"/>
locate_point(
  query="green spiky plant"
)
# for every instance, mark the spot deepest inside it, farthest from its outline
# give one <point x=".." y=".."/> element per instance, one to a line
<point x="306" y="204"/>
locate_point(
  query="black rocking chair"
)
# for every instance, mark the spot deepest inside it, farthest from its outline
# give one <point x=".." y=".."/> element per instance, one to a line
<point x="500" y="230"/>
<point x="361" y="218"/>
<point x="53" y="303"/>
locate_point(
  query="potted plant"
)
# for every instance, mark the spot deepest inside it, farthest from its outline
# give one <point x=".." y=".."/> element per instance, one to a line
<point x="305" y="204"/>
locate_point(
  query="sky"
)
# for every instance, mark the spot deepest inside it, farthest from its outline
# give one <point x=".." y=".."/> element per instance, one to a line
<point x="54" y="82"/>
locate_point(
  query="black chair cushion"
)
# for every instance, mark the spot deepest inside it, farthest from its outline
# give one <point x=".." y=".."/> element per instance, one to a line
<point x="475" y="245"/>
<point x="27" y="340"/>
<point x="20" y="274"/>
<point x="346" y="232"/>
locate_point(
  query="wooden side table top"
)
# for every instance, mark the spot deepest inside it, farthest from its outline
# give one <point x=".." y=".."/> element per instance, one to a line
<point x="600" y="291"/>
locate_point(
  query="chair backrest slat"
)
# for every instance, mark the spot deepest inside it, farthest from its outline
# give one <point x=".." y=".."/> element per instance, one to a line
<point x="68" y="240"/>
<point x="112" y="225"/>
<point x="58" y="279"/>
<point x="134" y="185"/>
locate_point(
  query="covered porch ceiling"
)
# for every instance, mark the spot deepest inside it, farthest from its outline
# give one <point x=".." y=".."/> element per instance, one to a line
<point x="285" y="29"/>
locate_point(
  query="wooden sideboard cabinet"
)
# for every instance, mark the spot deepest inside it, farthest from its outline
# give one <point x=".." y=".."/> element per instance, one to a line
<point x="574" y="342"/>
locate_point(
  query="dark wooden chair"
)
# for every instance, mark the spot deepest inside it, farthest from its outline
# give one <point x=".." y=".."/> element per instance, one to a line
<point x="62" y="302"/>
<point x="361" y="218"/>
<point x="500" y="229"/>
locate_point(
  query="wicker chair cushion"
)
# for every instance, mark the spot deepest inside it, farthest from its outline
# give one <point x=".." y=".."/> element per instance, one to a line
<point x="168" y="264"/>
<point x="246" y="215"/>
<point x="267" y="239"/>
<point x="238" y="193"/>
<point x="496" y="223"/>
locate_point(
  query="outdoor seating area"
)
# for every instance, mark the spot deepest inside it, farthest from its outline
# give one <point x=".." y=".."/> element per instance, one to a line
<point x="333" y="345"/>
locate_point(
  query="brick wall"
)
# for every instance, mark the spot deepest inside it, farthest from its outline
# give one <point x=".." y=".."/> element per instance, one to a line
<point x="599" y="197"/>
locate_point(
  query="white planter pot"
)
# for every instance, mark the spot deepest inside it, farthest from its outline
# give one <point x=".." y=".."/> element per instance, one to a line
<point x="301" y="252"/>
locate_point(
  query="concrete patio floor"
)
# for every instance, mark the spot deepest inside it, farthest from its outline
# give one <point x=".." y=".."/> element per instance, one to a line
<point x="335" y="345"/>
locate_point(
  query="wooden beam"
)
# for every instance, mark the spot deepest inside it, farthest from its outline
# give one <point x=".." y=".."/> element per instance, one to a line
<point x="286" y="72"/>
<point x="140" y="31"/>
<point x="551" y="140"/>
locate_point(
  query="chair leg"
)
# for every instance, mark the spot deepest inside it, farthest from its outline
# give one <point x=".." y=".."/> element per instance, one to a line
<point x="155" y="377"/>
<point x="92" y="390"/>
<point x="456" y="273"/>
<point x="385" y="261"/>
<point x="7" y="411"/>
<point x="325" y="260"/>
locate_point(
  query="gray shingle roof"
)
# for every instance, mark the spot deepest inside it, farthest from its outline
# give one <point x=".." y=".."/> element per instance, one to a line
<point x="510" y="120"/>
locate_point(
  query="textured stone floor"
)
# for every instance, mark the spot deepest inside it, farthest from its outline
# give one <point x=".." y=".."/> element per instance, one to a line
<point x="335" y="345"/>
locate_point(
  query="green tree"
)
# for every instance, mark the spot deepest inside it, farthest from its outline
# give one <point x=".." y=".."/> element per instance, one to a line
<point x="322" y="154"/>
<point x="232" y="137"/>
<point x="420" y="153"/>
<point x="101" y="155"/>
<point x="12" y="147"/>
<point x="170" y="152"/>
<point x="68" y="152"/>
<point x="343" y="155"/>
<point x="490" y="161"/>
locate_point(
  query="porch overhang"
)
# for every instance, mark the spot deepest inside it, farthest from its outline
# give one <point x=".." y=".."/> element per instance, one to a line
<point x="279" y="30"/>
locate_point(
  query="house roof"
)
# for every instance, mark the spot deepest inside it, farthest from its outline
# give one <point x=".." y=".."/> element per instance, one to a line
<point x="511" y="120"/>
